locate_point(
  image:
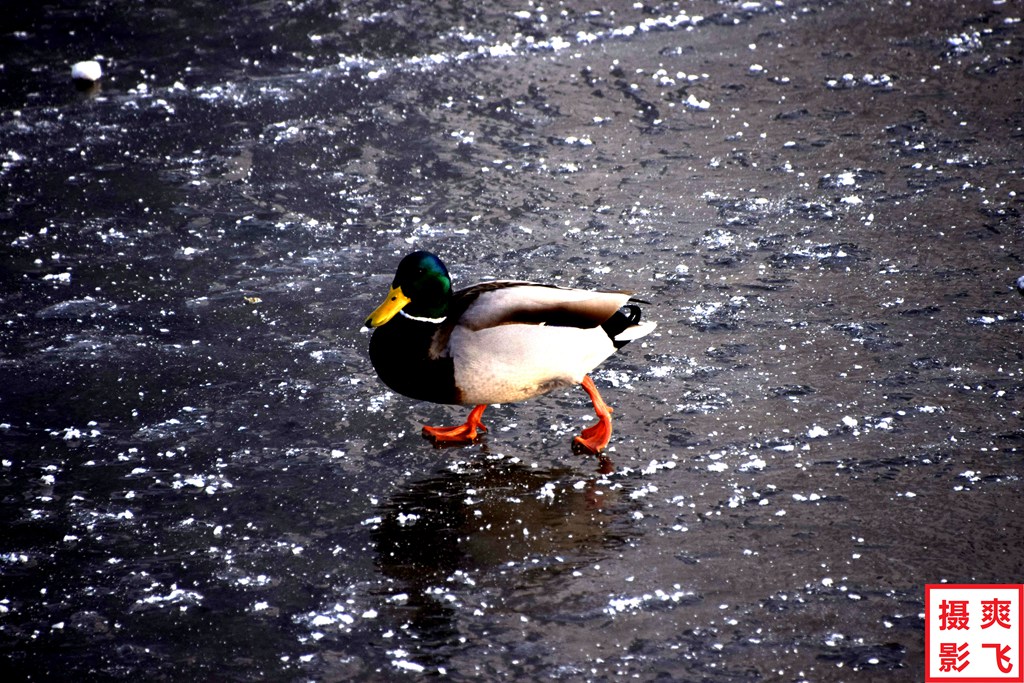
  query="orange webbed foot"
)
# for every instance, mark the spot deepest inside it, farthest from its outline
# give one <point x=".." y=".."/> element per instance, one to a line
<point x="594" y="439"/>
<point x="460" y="435"/>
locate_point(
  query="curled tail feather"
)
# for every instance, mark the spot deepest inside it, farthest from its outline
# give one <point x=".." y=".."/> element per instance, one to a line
<point x="625" y="326"/>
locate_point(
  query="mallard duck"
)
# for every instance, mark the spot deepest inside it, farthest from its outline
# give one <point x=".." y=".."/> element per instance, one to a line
<point x="496" y="342"/>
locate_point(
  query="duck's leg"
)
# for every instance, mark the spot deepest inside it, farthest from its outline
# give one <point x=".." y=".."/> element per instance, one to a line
<point x="594" y="439"/>
<point x="463" y="434"/>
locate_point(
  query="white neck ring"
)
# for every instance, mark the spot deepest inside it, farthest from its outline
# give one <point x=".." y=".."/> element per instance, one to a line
<point x="422" y="319"/>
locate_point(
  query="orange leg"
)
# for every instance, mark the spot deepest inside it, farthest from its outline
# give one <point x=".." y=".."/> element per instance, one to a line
<point x="594" y="439"/>
<point x="463" y="434"/>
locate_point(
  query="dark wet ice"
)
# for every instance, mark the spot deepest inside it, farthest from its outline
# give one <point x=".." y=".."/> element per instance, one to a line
<point x="201" y="478"/>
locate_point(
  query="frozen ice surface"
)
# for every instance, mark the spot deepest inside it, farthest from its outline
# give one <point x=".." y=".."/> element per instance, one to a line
<point x="201" y="471"/>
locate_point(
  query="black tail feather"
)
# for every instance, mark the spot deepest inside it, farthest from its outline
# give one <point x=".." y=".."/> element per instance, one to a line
<point x="624" y="318"/>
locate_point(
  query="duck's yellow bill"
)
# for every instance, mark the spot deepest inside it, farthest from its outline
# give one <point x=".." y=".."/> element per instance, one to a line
<point x="395" y="302"/>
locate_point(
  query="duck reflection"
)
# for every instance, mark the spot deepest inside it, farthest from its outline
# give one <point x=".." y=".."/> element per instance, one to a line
<point x="492" y="521"/>
<point x="490" y="513"/>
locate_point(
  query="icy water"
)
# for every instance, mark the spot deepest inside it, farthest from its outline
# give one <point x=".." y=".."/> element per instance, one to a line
<point x="202" y="478"/>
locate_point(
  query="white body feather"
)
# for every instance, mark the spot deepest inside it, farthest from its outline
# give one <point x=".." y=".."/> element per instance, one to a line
<point x="516" y="362"/>
<point x="498" y="359"/>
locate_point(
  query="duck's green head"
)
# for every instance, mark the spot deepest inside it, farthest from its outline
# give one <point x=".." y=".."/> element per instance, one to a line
<point x="422" y="288"/>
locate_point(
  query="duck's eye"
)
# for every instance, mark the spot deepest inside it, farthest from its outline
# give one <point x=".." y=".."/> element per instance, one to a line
<point x="394" y="298"/>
